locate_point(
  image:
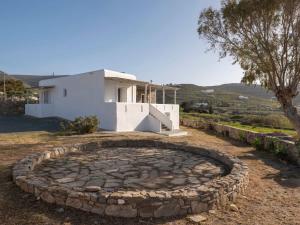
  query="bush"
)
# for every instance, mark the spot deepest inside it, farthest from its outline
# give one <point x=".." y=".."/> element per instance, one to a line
<point x="81" y="125"/>
<point x="279" y="150"/>
<point x="258" y="144"/>
<point x="273" y="121"/>
<point x="243" y="137"/>
<point x="12" y="108"/>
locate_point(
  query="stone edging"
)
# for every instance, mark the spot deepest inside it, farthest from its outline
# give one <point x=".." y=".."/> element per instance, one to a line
<point x="199" y="198"/>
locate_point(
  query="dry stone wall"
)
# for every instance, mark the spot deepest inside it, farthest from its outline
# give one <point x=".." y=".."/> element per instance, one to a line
<point x="152" y="203"/>
<point x="287" y="149"/>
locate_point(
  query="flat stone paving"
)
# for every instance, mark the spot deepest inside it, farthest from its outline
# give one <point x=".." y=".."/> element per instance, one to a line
<point x="115" y="169"/>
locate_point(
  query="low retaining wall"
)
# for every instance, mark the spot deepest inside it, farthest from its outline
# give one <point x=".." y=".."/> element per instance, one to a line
<point x="285" y="149"/>
<point x="198" y="198"/>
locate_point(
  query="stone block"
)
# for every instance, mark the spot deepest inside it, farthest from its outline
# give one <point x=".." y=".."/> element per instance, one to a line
<point x="167" y="210"/>
<point x="74" y="202"/>
<point x="199" y="207"/>
<point x="121" y="211"/>
<point x="47" y="197"/>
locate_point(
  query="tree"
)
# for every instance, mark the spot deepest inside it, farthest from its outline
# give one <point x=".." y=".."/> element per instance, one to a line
<point x="186" y="106"/>
<point x="263" y="36"/>
<point x="210" y="109"/>
<point x="12" y="87"/>
<point x="4" y="84"/>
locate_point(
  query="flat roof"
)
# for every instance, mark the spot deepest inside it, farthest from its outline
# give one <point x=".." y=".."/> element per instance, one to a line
<point x="125" y="80"/>
<point x="142" y="83"/>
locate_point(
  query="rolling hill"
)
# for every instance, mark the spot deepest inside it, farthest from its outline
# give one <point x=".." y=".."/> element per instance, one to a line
<point x="192" y="92"/>
<point x="226" y="97"/>
<point x="32" y="80"/>
<point x="225" y="93"/>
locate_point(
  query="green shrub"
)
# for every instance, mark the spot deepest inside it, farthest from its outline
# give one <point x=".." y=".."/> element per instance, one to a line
<point x="279" y="150"/>
<point x="81" y="125"/>
<point x="257" y="143"/>
<point x="242" y="137"/>
<point x="273" y="121"/>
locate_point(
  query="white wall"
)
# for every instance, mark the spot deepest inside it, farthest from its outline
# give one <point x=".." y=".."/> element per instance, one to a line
<point x="91" y="94"/>
<point x="154" y="124"/>
<point x="173" y="110"/>
<point x="110" y="73"/>
<point x="111" y="91"/>
<point x="108" y="116"/>
<point x="132" y="117"/>
<point x="84" y="95"/>
<point x="40" y="110"/>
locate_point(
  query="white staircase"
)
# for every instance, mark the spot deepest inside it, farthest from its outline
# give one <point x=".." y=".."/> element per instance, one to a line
<point x="166" y="123"/>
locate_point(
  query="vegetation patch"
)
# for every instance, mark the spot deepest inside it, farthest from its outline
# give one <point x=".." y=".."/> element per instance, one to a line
<point x="258" y="144"/>
<point x="81" y="125"/>
<point x="260" y="129"/>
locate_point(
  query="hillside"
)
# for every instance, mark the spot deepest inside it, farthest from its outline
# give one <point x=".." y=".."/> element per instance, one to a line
<point x="226" y="97"/>
<point x="32" y="80"/>
<point x="192" y="92"/>
<point x="245" y="90"/>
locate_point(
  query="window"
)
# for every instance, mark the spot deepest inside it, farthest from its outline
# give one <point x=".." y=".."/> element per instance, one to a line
<point x="65" y="92"/>
<point x="143" y="98"/>
<point x="122" y="95"/>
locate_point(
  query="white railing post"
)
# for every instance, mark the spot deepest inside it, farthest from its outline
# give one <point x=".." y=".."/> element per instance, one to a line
<point x="163" y="95"/>
<point x="145" y="98"/>
<point x="150" y="94"/>
<point x="175" y="97"/>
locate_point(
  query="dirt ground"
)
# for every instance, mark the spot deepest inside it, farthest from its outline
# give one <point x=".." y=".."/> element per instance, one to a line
<point x="272" y="197"/>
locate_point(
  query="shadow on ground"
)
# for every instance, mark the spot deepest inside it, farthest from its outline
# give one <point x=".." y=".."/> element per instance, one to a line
<point x="25" y="209"/>
<point x="288" y="175"/>
<point x="11" y="124"/>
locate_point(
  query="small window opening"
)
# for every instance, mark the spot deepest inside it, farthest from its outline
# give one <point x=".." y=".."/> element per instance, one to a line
<point x="46" y="97"/>
<point x="65" y="92"/>
<point x="119" y="94"/>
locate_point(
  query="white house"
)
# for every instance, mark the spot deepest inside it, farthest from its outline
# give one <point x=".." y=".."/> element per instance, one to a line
<point x="119" y="100"/>
<point x="241" y="97"/>
<point x="208" y="91"/>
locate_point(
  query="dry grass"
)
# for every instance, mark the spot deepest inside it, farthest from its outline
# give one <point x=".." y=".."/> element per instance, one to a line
<point x="273" y="196"/>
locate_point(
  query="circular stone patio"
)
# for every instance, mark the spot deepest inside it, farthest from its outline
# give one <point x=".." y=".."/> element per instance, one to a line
<point x="133" y="178"/>
<point x="130" y="169"/>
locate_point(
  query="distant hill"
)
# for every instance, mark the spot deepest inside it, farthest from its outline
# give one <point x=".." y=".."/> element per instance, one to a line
<point x="228" y="93"/>
<point x="32" y="80"/>
<point x="192" y="92"/>
<point x="232" y="97"/>
<point x="246" y="90"/>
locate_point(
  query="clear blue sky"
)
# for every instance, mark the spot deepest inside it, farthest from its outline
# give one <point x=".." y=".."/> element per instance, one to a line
<point x="153" y="39"/>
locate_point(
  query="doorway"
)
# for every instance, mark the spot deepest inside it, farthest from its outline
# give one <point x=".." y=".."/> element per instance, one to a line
<point x="122" y="95"/>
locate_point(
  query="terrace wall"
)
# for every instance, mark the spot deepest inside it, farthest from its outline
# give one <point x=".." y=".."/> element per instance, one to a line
<point x="285" y="149"/>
